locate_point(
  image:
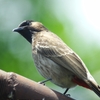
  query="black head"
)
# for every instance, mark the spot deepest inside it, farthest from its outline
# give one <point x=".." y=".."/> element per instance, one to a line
<point x="29" y="27"/>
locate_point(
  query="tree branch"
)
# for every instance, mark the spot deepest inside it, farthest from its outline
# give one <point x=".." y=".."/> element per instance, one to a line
<point x="17" y="87"/>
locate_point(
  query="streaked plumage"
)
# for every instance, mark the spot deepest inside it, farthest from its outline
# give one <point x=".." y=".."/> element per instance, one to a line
<point x="54" y="59"/>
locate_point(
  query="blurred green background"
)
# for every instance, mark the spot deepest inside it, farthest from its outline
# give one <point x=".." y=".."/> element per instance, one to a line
<point x="77" y="22"/>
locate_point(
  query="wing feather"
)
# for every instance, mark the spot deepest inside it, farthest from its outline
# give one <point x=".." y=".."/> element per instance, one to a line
<point x="56" y="50"/>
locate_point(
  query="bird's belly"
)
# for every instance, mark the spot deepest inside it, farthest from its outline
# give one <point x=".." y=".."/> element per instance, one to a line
<point x="50" y="70"/>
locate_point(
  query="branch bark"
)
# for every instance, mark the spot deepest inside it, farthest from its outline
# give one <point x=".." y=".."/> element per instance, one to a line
<point x="17" y="87"/>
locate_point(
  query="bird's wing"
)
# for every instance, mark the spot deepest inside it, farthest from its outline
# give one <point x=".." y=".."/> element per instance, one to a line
<point x="55" y="49"/>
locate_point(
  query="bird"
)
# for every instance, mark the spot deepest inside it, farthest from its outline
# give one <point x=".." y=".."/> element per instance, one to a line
<point x="54" y="59"/>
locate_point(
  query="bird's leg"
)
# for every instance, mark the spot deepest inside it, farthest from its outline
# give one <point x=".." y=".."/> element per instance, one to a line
<point x="43" y="82"/>
<point x="66" y="91"/>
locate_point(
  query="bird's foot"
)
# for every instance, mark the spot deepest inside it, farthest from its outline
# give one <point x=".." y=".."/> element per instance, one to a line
<point x="68" y="95"/>
<point x="66" y="91"/>
<point x="44" y="81"/>
<point x="41" y="83"/>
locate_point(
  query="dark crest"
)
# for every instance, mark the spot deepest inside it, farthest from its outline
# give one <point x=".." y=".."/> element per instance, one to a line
<point x="26" y="23"/>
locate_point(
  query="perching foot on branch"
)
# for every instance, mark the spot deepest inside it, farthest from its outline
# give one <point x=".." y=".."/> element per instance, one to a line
<point x="44" y="81"/>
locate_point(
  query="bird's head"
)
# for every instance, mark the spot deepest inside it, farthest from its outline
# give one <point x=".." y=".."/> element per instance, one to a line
<point x="28" y="28"/>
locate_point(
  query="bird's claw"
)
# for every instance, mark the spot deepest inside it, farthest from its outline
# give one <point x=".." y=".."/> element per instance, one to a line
<point x="41" y="83"/>
<point x="68" y="95"/>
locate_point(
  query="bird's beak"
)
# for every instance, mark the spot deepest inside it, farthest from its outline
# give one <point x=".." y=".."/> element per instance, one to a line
<point x="17" y="29"/>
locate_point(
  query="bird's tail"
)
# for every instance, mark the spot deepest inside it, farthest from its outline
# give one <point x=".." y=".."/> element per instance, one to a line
<point x="95" y="88"/>
<point x="90" y="84"/>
